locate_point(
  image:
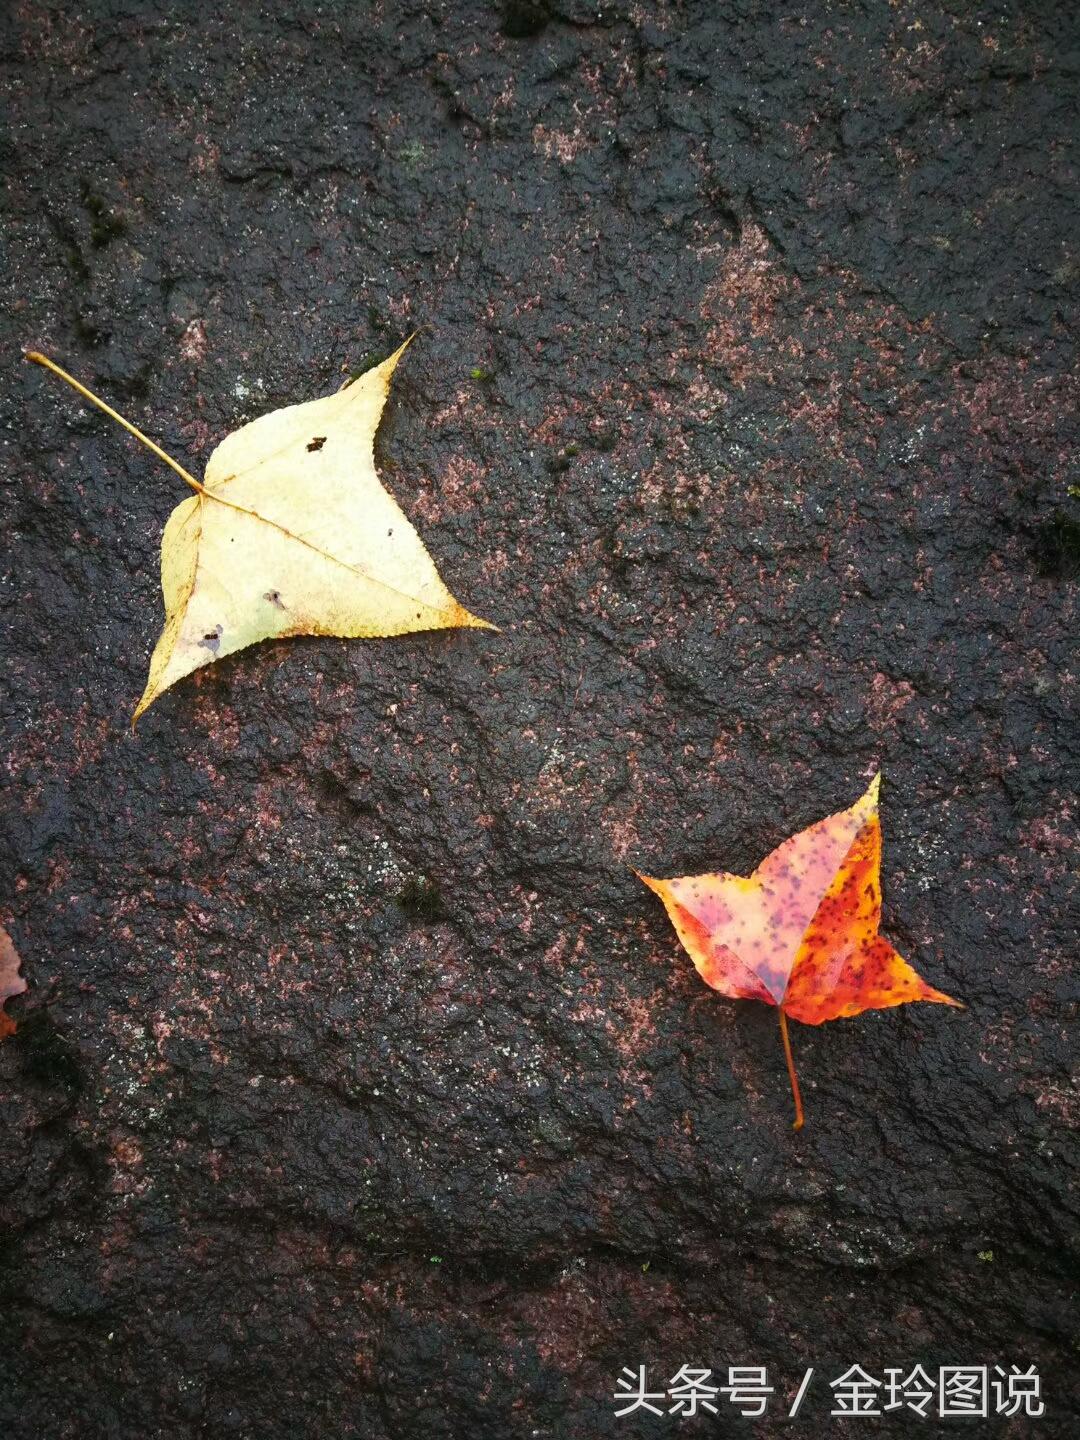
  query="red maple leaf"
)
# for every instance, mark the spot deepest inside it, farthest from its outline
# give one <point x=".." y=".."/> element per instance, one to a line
<point x="801" y="932"/>
<point x="11" y="982"/>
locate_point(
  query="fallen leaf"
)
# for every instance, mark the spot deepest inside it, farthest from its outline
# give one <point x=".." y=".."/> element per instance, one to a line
<point x="801" y="932"/>
<point x="290" y="532"/>
<point x="11" y="982"/>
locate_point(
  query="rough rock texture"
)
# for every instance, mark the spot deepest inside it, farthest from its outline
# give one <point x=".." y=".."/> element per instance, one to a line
<point x="360" y="1089"/>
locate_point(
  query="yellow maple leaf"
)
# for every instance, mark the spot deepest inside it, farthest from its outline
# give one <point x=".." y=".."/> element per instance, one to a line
<point x="290" y="532"/>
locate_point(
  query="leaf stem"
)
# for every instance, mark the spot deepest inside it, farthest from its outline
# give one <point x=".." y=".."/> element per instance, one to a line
<point x="112" y="414"/>
<point x="798" y="1122"/>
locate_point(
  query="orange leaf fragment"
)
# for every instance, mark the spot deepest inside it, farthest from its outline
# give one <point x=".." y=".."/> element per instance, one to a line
<point x="801" y="932"/>
<point x="11" y="982"/>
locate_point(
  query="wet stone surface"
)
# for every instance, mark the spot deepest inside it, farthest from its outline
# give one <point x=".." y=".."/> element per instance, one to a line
<point x="360" y="1089"/>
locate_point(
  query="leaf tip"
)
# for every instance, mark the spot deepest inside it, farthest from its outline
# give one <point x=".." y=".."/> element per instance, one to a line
<point x="389" y="365"/>
<point x="866" y="807"/>
<point x="147" y="698"/>
<point x="466" y="620"/>
<point x="656" y="886"/>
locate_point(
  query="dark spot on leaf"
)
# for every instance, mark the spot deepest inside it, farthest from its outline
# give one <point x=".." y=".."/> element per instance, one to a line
<point x="274" y="596"/>
<point x="212" y="639"/>
<point x="317" y="442"/>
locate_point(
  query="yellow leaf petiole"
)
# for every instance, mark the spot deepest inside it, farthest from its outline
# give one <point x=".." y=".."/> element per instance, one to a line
<point x="188" y="479"/>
